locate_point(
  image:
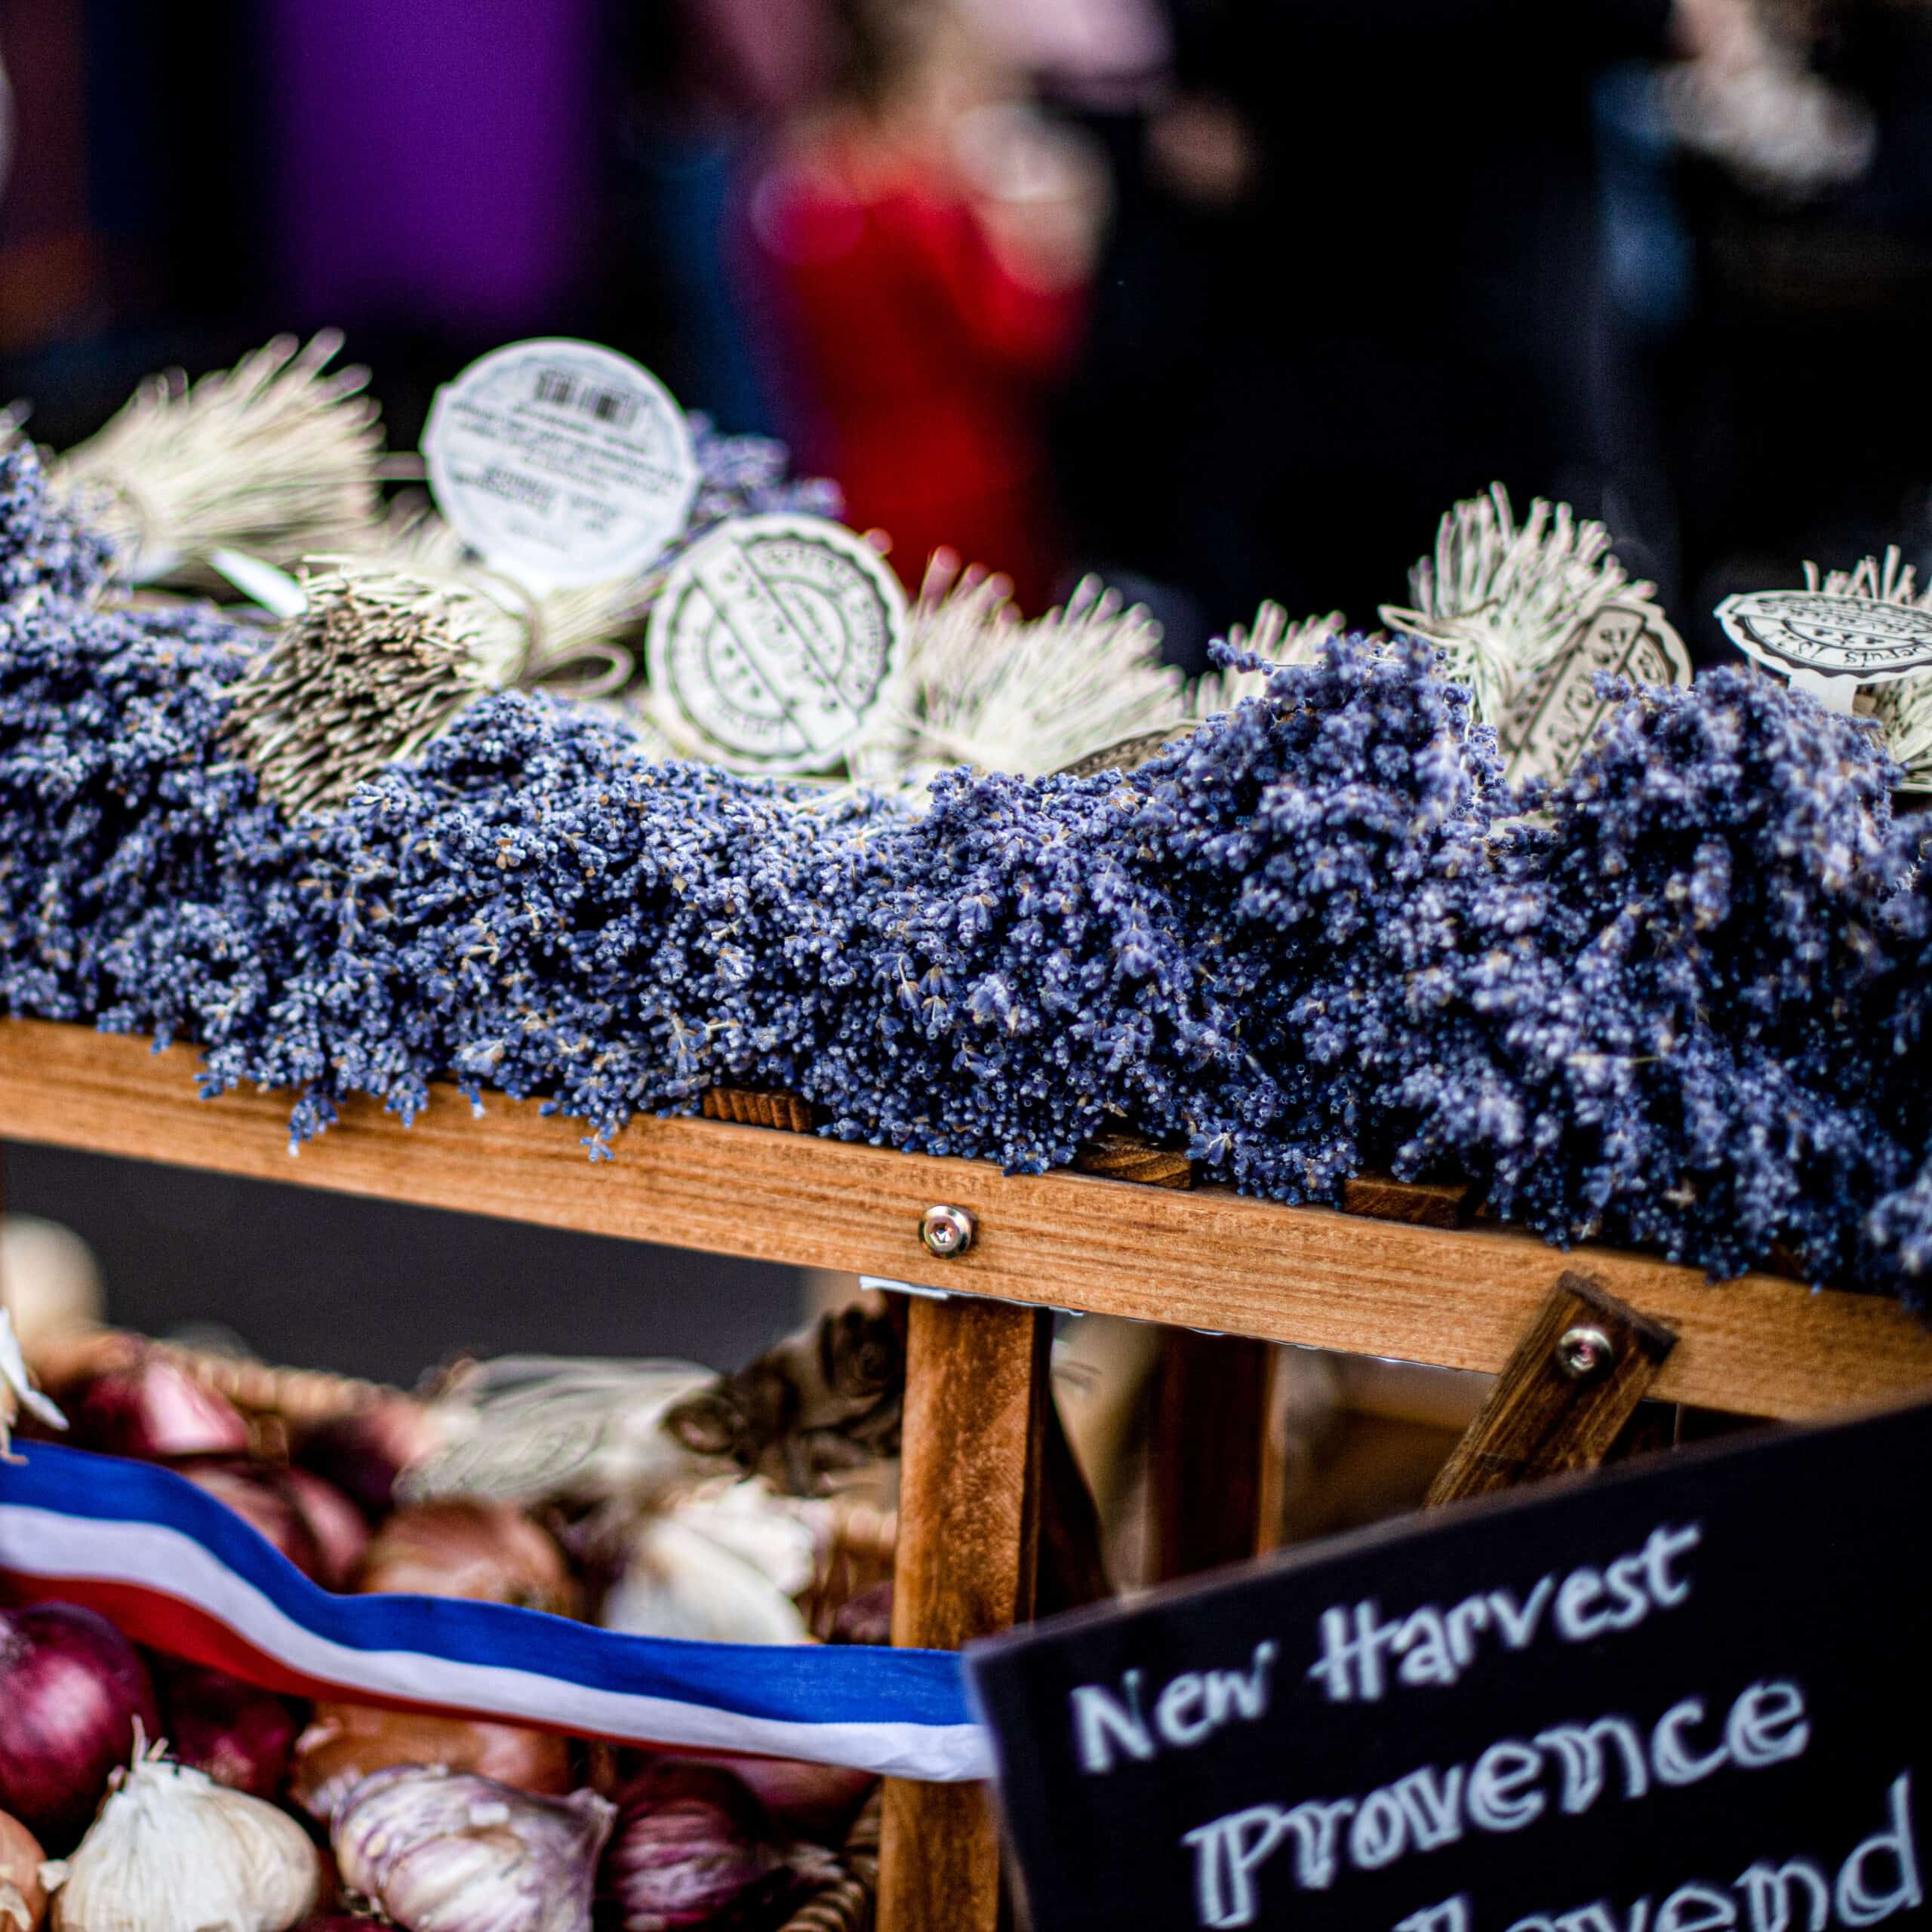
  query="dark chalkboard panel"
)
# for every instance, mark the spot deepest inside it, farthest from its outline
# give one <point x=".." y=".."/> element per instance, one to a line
<point x="1687" y="1697"/>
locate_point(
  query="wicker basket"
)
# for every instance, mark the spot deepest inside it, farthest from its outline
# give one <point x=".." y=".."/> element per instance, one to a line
<point x="278" y="1402"/>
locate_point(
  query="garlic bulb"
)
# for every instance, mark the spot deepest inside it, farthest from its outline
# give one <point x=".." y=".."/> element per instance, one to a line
<point x="679" y="1582"/>
<point x="17" y="1389"/>
<point x="444" y="1851"/>
<point x="173" y="1851"/>
<point x="348" y="1742"/>
<point x="753" y="1522"/>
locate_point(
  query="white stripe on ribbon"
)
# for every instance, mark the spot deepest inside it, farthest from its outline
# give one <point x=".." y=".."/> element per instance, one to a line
<point x="44" y="1543"/>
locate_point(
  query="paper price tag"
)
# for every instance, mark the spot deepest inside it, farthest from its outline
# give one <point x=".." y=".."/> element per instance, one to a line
<point x="563" y="462"/>
<point x="1551" y="725"/>
<point x="773" y="638"/>
<point x="1829" y="644"/>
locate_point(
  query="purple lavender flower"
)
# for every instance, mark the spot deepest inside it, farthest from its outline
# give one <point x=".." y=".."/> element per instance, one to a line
<point x="44" y="547"/>
<point x="1685" y="1007"/>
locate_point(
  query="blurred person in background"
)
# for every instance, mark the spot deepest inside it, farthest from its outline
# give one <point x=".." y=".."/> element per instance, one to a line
<point x="1800" y="419"/>
<point x="930" y="238"/>
<point x="1357" y="276"/>
<point x="705" y="83"/>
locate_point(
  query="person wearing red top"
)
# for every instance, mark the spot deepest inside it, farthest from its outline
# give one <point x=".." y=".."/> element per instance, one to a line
<point x="930" y="243"/>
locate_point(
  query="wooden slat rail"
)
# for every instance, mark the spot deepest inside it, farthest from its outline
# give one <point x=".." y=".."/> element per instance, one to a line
<point x="1460" y="1298"/>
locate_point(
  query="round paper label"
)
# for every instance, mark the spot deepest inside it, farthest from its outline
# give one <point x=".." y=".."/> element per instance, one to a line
<point x="562" y="462"/>
<point x="774" y="636"/>
<point x="1823" y="634"/>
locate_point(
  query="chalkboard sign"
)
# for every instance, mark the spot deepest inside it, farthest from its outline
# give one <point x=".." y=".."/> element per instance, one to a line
<point x="1688" y="1697"/>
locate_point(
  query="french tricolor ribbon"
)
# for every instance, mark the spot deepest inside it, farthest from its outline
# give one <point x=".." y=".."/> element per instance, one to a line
<point x="176" y="1570"/>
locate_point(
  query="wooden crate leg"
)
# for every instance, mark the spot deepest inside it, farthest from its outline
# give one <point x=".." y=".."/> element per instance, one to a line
<point x="1563" y="1397"/>
<point x="1211" y="1442"/>
<point x="969" y="1510"/>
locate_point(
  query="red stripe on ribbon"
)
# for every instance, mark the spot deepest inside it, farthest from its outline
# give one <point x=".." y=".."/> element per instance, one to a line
<point x="185" y="1630"/>
<point x="181" y="1629"/>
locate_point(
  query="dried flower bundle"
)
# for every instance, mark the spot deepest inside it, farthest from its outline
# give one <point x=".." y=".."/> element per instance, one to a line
<point x="277" y="455"/>
<point x="979" y="685"/>
<point x="1684" y="1009"/>
<point x="375" y="666"/>
<point x="1902" y="706"/>
<point x="1530" y="617"/>
<point x="586" y="639"/>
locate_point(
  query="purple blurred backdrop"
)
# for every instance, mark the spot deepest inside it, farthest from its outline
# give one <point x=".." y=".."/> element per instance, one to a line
<point x="434" y="159"/>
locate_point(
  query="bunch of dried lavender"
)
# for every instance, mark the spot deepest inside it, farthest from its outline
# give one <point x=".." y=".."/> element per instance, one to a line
<point x="45" y="550"/>
<point x="277" y="455"/>
<point x="1904" y="705"/>
<point x="374" y="666"/>
<point x="1684" y="1009"/>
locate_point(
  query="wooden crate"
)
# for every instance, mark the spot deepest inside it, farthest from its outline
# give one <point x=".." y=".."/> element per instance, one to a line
<point x="1415" y="1287"/>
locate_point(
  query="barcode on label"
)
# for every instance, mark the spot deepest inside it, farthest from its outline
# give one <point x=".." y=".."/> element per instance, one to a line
<point x="554" y="386"/>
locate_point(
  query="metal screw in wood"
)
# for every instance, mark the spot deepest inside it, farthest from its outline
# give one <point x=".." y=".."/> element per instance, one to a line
<point x="1584" y="1352"/>
<point x="946" y="1231"/>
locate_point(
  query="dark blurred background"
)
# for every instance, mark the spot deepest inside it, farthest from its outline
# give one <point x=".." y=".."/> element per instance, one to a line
<point x="1228" y="299"/>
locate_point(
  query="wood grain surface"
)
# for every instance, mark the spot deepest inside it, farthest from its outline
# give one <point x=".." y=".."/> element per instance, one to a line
<point x="976" y="1391"/>
<point x="1207" y="1463"/>
<point x="1539" y="1420"/>
<point x="1460" y="1298"/>
<point x="1130" y="1157"/>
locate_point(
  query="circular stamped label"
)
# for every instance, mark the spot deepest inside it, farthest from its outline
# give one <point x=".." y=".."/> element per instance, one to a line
<point x="773" y="638"/>
<point x="1814" y="634"/>
<point x="562" y="462"/>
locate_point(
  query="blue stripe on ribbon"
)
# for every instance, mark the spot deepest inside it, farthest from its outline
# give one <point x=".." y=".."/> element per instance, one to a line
<point x="799" y="1684"/>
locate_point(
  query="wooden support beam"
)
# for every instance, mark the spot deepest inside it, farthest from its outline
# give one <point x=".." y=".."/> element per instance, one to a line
<point x="1575" y="1379"/>
<point x="1211" y="1440"/>
<point x="1428" y="1204"/>
<point x="969" y="1520"/>
<point x="785" y="1111"/>
<point x="1131" y="1157"/>
<point x="1455" y="1297"/>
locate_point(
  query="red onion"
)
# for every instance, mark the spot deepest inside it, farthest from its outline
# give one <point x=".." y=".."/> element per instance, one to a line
<point x="813" y="1801"/>
<point x="71" y="1688"/>
<point x="241" y="1735"/>
<point x="691" y="1843"/>
<point x="253" y="1491"/>
<point x="363" y="1452"/>
<point x="336" y="1525"/>
<point x="152" y="1408"/>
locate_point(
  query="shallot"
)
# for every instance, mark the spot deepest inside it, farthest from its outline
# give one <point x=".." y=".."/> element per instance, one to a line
<point x="334" y="1523"/>
<point x="691" y="1843"/>
<point x="251" y="1490"/>
<point x="348" y="1742"/>
<point x="23" y="1897"/>
<point x="460" y="1548"/>
<point x="813" y="1801"/>
<point x="241" y="1736"/>
<point x="150" y="1407"/>
<point x="363" y="1453"/>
